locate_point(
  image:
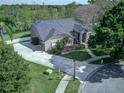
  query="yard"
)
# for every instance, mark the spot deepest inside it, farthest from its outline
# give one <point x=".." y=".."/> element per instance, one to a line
<point x="77" y="55"/>
<point x="40" y="83"/>
<point x="73" y="86"/>
<point x="18" y="35"/>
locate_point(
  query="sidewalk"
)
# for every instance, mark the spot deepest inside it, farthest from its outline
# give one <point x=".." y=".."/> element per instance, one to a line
<point x="89" y="51"/>
<point x="63" y="84"/>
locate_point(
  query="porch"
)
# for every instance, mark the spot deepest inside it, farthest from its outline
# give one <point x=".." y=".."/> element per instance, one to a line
<point x="80" y="37"/>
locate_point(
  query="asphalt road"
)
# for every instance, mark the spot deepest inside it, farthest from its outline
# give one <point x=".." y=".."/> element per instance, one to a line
<point x="109" y="79"/>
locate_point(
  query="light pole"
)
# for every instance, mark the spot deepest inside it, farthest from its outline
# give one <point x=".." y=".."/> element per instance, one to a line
<point x="59" y="74"/>
<point x="74" y="69"/>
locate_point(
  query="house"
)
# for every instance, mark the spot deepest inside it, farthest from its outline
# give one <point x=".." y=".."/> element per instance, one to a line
<point x="48" y="32"/>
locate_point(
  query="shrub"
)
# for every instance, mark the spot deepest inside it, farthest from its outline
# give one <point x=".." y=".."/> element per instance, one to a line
<point x="55" y="51"/>
<point x="92" y="41"/>
<point x="60" y="45"/>
<point x="78" y="47"/>
<point x="116" y="53"/>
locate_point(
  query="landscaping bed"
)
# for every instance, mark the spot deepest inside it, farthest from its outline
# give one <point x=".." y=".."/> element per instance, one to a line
<point x="40" y="82"/>
<point x="77" y="55"/>
<point x="73" y="86"/>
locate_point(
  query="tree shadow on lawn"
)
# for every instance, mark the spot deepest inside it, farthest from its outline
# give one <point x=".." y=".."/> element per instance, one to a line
<point x="113" y="70"/>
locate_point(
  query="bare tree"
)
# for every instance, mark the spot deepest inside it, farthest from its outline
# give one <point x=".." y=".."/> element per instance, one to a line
<point x="94" y="11"/>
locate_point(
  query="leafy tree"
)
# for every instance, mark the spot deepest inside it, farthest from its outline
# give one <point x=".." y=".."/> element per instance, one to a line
<point x="25" y="15"/>
<point x="62" y="11"/>
<point x="92" y="42"/>
<point x="55" y="13"/>
<point x="110" y="33"/>
<point x="61" y="44"/>
<point x="92" y="1"/>
<point x="6" y="22"/>
<point x="13" y="71"/>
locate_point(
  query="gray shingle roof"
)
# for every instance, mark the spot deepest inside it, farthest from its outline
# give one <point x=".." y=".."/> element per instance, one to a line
<point x="49" y="28"/>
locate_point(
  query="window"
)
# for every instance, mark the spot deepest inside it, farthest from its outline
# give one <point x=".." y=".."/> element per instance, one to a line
<point x="54" y="44"/>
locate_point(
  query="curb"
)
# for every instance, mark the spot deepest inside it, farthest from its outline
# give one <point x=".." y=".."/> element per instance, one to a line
<point x="90" y="74"/>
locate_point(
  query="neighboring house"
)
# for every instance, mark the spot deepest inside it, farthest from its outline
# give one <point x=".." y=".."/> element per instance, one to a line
<point x="50" y="31"/>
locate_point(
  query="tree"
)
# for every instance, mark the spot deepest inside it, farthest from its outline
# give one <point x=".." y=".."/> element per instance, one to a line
<point x="110" y="33"/>
<point x="25" y="15"/>
<point x="13" y="71"/>
<point x="1" y="34"/>
<point x="104" y="36"/>
<point x="62" y="43"/>
<point x="6" y="22"/>
<point x="92" y="41"/>
<point x="55" y="13"/>
<point x="91" y="1"/>
<point x="62" y="11"/>
<point x="103" y="5"/>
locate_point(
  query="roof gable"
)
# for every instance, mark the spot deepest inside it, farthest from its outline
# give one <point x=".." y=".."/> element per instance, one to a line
<point x="49" y="28"/>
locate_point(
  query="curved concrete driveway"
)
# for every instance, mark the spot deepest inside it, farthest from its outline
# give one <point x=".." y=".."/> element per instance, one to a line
<point x="109" y="79"/>
<point x="34" y="54"/>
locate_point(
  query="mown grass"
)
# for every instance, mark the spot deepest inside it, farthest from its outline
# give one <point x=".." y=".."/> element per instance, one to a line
<point x="40" y="82"/>
<point x="77" y="55"/>
<point x="73" y="86"/>
<point x="18" y="35"/>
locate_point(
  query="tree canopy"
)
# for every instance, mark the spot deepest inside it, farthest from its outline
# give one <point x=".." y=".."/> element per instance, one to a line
<point x="24" y="15"/>
<point x="7" y="24"/>
<point x="110" y="33"/>
<point x="13" y="71"/>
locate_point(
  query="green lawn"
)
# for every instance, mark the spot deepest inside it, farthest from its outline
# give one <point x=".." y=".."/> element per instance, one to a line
<point x="18" y="35"/>
<point x="101" y="52"/>
<point x="105" y="61"/>
<point x="73" y="86"/>
<point x="40" y="83"/>
<point x="77" y="55"/>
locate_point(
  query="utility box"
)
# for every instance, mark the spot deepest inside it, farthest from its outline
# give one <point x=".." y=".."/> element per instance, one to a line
<point x="48" y="72"/>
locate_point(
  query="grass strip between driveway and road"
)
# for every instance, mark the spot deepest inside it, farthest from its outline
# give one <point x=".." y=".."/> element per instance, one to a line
<point x="73" y="86"/>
